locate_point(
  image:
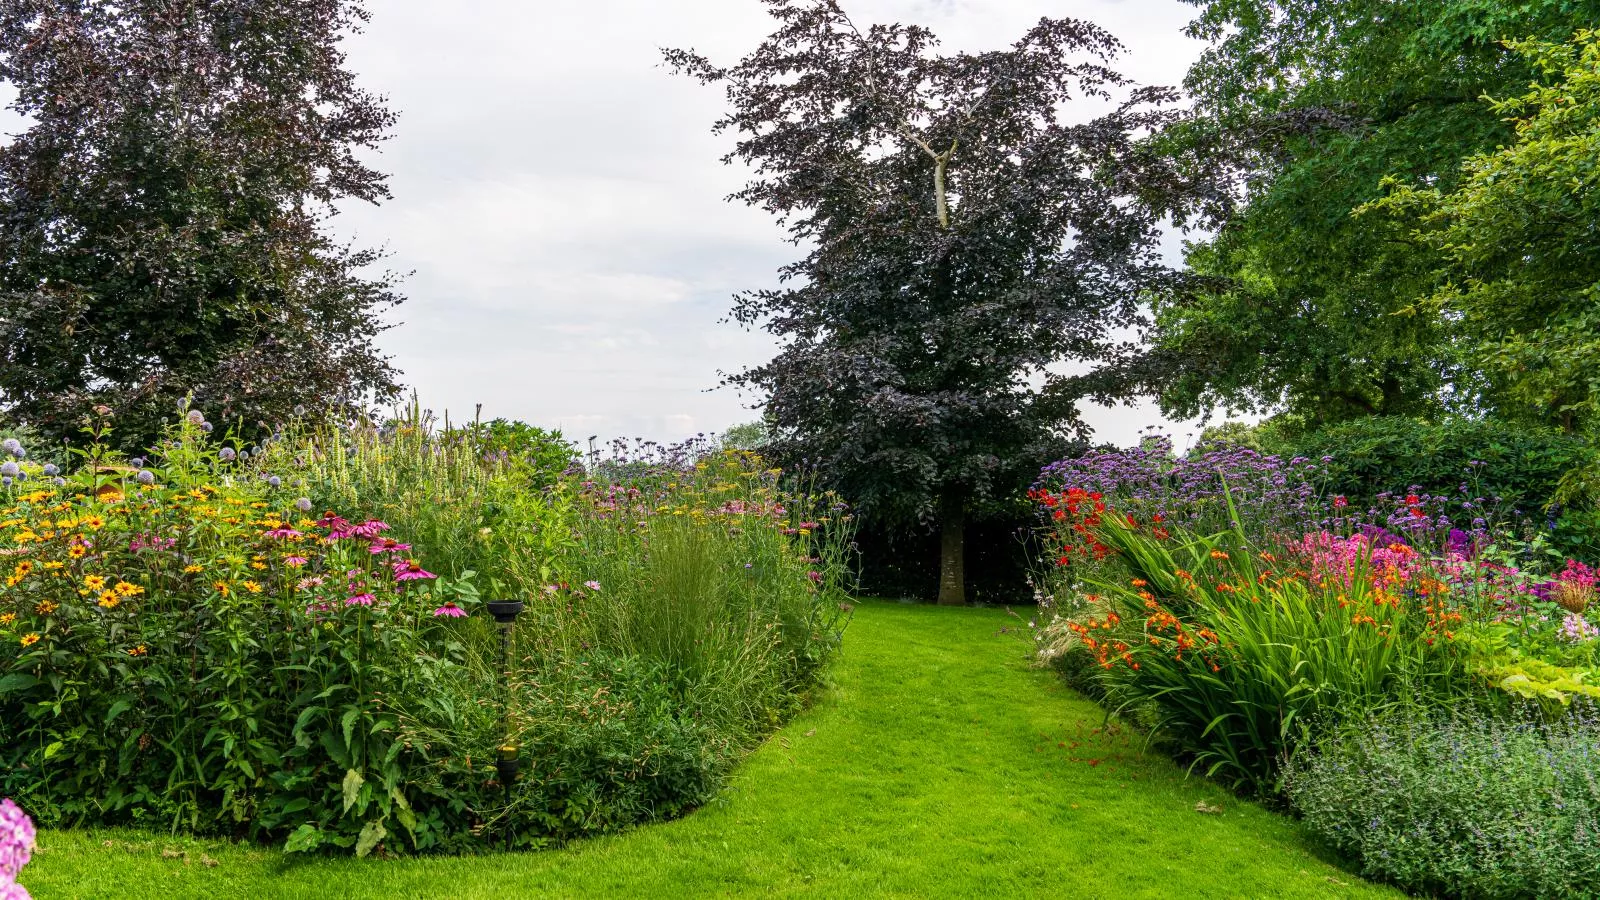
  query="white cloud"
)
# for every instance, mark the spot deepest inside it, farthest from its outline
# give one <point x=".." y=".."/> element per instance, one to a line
<point x="559" y="198"/>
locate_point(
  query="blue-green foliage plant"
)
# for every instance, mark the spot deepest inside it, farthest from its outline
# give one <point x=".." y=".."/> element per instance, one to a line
<point x="1463" y="805"/>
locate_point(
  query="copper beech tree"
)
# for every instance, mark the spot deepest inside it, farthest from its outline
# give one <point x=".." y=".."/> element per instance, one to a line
<point x="162" y="214"/>
<point x="964" y="239"/>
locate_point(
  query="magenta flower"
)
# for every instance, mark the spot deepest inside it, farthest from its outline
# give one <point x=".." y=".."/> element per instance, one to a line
<point x="282" y="533"/>
<point x="315" y="581"/>
<point x="592" y="585"/>
<point x="410" y="570"/>
<point x="387" y="545"/>
<point x="450" y="609"/>
<point x="294" y="562"/>
<point x="16" y="847"/>
<point x="360" y="600"/>
<point x="369" y="529"/>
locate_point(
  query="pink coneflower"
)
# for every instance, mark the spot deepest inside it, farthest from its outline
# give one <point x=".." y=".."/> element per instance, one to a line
<point x="282" y="533"/>
<point x="369" y="529"/>
<point x="551" y="589"/>
<point x="450" y="609"/>
<point x="387" y="545"/>
<point x="592" y="585"/>
<point x="306" y="584"/>
<point x="330" y="519"/>
<point x="294" y="562"/>
<point x="360" y="600"/>
<point x="410" y="570"/>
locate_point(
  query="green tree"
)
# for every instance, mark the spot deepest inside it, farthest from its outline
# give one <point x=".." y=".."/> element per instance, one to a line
<point x="1302" y="108"/>
<point x="1519" y="246"/>
<point x="161" y="217"/>
<point x="964" y="237"/>
<point x="746" y="436"/>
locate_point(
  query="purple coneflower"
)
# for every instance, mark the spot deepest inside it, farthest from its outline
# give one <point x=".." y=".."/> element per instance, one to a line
<point x="388" y="545"/>
<point x="451" y="610"/>
<point x="410" y="570"/>
<point x="360" y="600"/>
<point x="369" y="529"/>
<point x="592" y="585"/>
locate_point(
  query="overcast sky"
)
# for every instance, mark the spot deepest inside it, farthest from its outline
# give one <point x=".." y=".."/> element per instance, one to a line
<point x="558" y="199"/>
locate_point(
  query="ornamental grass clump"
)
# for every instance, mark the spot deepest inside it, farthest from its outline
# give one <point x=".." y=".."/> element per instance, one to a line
<point x="1464" y="805"/>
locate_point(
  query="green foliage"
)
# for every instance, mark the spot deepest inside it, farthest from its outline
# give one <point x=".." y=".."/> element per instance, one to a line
<point x="1467" y="806"/>
<point x="1524" y="466"/>
<point x="249" y="671"/>
<point x="1304" y="108"/>
<point x="746" y="436"/>
<point x="1237" y="662"/>
<point x="1521" y="261"/>
<point x="936" y="745"/>
<point x="538" y="455"/>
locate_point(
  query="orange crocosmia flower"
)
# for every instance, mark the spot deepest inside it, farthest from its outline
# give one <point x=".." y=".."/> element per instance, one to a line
<point x="1139" y="582"/>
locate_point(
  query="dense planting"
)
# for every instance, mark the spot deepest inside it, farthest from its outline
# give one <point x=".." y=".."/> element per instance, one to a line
<point x="1230" y="602"/>
<point x="292" y="643"/>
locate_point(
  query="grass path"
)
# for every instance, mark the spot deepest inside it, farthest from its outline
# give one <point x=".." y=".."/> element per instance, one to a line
<point x="937" y="765"/>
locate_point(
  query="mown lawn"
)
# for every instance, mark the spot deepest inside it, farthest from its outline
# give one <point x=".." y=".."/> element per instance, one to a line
<point x="937" y="765"/>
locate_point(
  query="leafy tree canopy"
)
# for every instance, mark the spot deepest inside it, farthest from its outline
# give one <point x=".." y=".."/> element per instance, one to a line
<point x="963" y="236"/>
<point x="1302" y="108"/>
<point x="161" y="217"/>
<point x="1520" y="248"/>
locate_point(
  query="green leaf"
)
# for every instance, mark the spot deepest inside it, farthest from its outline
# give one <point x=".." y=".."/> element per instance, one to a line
<point x="303" y="840"/>
<point x="352" y="788"/>
<point x="117" y="709"/>
<point x="371" y="834"/>
<point x="53" y="749"/>
<point x="17" y="681"/>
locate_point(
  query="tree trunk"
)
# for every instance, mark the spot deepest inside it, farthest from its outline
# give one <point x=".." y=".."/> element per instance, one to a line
<point x="952" y="549"/>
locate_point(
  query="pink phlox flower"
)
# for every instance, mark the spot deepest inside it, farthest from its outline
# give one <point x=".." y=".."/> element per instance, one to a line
<point x="1576" y="629"/>
<point x="450" y="609"/>
<point x="17" y="836"/>
<point x="410" y="570"/>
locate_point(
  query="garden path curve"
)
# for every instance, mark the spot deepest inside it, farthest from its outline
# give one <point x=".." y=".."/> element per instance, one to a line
<point x="937" y="764"/>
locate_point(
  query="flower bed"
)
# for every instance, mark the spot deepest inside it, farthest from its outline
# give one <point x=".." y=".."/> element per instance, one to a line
<point x="289" y="642"/>
<point x="1258" y="626"/>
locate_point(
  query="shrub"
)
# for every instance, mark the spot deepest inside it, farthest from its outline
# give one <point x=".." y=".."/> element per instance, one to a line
<point x="1461" y="805"/>
<point x="1521" y="465"/>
